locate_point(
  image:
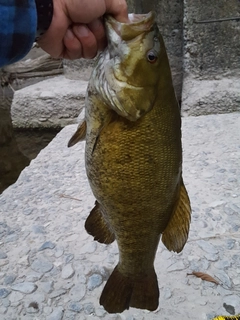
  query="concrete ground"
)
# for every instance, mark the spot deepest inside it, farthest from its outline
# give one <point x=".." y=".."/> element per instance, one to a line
<point x="50" y="268"/>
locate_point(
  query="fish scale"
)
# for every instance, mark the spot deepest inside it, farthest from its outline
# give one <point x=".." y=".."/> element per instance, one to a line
<point x="133" y="159"/>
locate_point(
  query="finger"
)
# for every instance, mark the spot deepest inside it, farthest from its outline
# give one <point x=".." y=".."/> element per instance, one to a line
<point x="117" y="8"/>
<point x="97" y="28"/>
<point x="87" y="40"/>
<point x="73" y="47"/>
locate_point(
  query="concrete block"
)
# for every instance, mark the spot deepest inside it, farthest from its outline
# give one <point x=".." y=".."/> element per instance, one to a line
<point x="51" y="103"/>
<point x="202" y="97"/>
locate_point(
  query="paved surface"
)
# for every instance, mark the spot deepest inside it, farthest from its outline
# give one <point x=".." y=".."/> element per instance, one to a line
<point x="50" y="268"/>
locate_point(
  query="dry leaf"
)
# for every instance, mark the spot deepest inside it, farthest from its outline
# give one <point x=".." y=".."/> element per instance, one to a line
<point x="203" y="276"/>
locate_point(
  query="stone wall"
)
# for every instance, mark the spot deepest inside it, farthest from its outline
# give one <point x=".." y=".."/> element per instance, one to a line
<point x="211" y="57"/>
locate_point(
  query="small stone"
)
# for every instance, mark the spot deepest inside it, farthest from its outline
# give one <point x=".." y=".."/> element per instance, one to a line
<point x="47" y="287"/>
<point x="27" y="211"/>
<point x="6" y="303"/>
<point x="34" y="276"/>
<point x="15" y="297"/>
<point x="57" y="293"/>
<point x="177" y="266"/>
<point x="25" y="287"/>
<point x="69" y="258"/>
<point x="4" y="262"/>
<point x="32" y="310"/>
<point x="89" y="308"/>
<point x="3" y="310"/>
<point x="9" y="279"/>
<point x="4" y="293"/>
<point x="42" y="266"/>
<point x="47" y="310"/>
<point x="38" y="229"/>
<point x="230" y="309"/>
<point x="224" y="278"/>
<point x="94" y="281"/>
<point x="167" y="293"/>
<point x="57" y="314"/>
<point x="11" y="238"/>
<point x="59" y="252"/>
<point x="77" y="292"/>
<point x="232" y="301"/>
<point x="75" y="306"/>
<point x="207" y="247"/>
<point x="72" y="237"/>
<point x="67" y="272"/>
<point x="100" y="312"/>
<point x="47" y="245"/>
<point x="3" y="255"/>
<point x="230" y="244"/>
<point x="222" y="264"/>
<point x="211" y="257"/>
<point x="88" y="248"/>
<point x="71" y="315"/>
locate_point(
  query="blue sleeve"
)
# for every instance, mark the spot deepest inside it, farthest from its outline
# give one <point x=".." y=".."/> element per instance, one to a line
<point x="18" y="25"/>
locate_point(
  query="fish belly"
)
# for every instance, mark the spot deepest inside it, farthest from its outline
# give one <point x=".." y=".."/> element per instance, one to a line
<point x="134" y="173"/>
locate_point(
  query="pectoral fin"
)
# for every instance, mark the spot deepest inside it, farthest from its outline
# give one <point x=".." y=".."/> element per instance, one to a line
<point x="79" y="135"/>
<point x="96" y="226"/>
<point x="176" y="233"/>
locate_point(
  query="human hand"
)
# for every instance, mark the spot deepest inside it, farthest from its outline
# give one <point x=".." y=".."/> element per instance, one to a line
<point x="77" y="29"/>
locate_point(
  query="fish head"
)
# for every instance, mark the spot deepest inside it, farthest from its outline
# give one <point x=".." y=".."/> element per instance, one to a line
<point x="135" y="55"/>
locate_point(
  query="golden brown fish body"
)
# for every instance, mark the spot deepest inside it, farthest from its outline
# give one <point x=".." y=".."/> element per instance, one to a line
<point x="134" y="160"/>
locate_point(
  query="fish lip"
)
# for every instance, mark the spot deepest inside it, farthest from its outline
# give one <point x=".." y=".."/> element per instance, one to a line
<point x="137" y="24"/>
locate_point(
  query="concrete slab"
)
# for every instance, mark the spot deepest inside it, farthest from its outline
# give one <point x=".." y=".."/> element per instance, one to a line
<point x="43" y="242"/>
<point x="51" y="103"/>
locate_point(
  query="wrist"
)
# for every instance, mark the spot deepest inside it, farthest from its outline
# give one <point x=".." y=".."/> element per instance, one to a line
<point x="44" y="10"/>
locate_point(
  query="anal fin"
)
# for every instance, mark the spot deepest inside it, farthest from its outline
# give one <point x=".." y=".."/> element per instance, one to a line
<point x="96" y="226"/>
<point x="79" y="135"/>
<point x="176" y="233"/>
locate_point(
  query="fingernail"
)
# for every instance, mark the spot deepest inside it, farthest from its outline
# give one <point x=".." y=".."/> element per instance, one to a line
<point x="83" y="31"/>
<point x="69" y="34"/>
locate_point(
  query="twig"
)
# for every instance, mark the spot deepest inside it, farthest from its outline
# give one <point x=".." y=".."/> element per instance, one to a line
<point x="68" y="197"/>
<point x="217" y="20"/>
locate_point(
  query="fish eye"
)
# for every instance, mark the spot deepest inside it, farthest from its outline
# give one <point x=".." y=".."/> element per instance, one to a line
<point x="152" y="56"/>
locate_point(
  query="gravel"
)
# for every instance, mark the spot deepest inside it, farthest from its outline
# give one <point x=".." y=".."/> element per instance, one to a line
<point x="51" y="269"/>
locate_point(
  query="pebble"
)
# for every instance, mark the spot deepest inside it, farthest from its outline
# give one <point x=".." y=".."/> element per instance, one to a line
<point x="75" y="306"/>
<point x="42" y="266"/>
<point x="67" y="272"/>
<point x="4" y="293"/>
<point x="9" y="279"/>
<point x="47" y="287"/>
<point x="77" y="292"/>
<point x="47" y="245"/>
<point x="207" y="247"/>
<point x="25" y="287"/>
<point x="94" y="281"/>
<point x="3" y="255"/>
<point x="46" y="253"/>
<point x="89" y="308"/>
<point x="57" y="314"/>
<point x="57" y="293"/>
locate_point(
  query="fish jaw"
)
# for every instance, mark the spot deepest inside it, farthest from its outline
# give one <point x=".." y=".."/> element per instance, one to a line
<point x="123" y="63"/>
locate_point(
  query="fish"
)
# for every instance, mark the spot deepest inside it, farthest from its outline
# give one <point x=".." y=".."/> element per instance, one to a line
<point x="133" y="159"/>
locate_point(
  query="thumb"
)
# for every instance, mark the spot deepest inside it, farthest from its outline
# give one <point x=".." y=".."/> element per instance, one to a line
<point x="118" y="9"/>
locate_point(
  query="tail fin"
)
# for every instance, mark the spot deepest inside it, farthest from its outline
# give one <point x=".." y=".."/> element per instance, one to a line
<point x="122" y="292"/>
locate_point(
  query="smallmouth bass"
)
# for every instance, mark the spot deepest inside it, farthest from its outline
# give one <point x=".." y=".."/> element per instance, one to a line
<point x="133" y="159"/>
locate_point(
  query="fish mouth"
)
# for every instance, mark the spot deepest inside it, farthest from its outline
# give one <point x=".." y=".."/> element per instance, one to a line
<point x="137" y="24"/>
